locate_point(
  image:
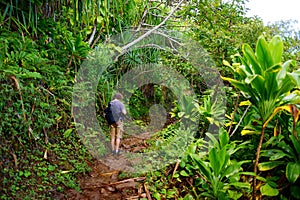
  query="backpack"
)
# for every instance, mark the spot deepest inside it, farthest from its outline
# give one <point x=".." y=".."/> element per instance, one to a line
<point x="109" y="115"/>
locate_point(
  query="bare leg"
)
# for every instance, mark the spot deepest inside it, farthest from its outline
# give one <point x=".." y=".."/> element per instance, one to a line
<point x="112" y="137"/>
<point x="118" y="138"/>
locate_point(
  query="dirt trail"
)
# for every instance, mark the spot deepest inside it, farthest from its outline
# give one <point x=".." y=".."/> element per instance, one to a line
<point x="103" y="182"/>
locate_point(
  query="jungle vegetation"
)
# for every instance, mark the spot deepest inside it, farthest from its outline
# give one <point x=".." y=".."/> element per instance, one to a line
<point x="256" y="153"/>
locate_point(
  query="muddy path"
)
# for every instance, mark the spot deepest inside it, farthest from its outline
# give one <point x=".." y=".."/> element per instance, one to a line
<point x="103" y="181"/>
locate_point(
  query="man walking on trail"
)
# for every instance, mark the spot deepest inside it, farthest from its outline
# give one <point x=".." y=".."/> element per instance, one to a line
<point x="116" y="129"/>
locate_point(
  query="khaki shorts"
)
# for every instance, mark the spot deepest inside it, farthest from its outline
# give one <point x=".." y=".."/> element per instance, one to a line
<point x="116" y="129"/>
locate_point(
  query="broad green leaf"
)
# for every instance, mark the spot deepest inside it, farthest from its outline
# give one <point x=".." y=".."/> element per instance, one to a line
<point x="246" y="66"/>
<point x="156" y="195"/>
<point x="258" y="83"/>
<point x="263" y="54"/>
<point x="267" y="190"/>
<point x="224" y="138"/>
<point x="274" y="154"/>
<point x="250" y="56"/>
<point x="238" y="84"/>
<point x="183" y="173"/>
<point x="241" y="185"/>
<point x="278" y="155"/>
<point x="271" y="85"/>
<point x="27" y="174"/>
<point x="292" y="171"/>
<point x="232" y="169"/>
<point x="276" y="48"/>
<point x="287" y="148"/>
<point x="202" y="166"/>
<point x="284" y="69"/>
<point x="265" y="166"/>
<point x="215" y="161"/>
<point x="286" y="85"/>
<point x="295" y="77"/>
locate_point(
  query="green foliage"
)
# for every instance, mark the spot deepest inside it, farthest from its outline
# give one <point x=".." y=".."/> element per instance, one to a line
<point x="271" y="86"/>
<point x="220" y="176"/>
<point x="40" y="156"/>
<point x="282" y="153"/>
<point x="264" y="80"/>
<point x="211" y="109"/>
<point x="42" y="45"/>
<point x="221" y="28"/>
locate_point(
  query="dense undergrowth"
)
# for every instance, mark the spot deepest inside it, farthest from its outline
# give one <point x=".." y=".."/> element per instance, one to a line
<point x="40" y="152"/>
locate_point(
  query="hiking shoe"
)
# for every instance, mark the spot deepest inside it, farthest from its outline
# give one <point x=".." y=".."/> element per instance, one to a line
<point x="119" y="152"/>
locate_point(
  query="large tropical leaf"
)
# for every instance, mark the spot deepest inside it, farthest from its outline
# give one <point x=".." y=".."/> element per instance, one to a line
<point x="295" y="77"/>
<point x="251" y="58"/>
<point x="284" y="69"/>
<point x="276" y="49"/>
<point x="217" y="159"/>
<point x="263" y="54"/>
<point x="274" y="154"/>
<point x="292" y="171"/>
<point x="202" y="166"/>
<point x="267" y="190"/>
<point x="266" y="166"/>
<point x="258" y="83"/>
<point x="238" y="84"/>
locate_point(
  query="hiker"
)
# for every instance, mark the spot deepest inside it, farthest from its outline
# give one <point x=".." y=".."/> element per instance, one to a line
<point x="117" y="110"/>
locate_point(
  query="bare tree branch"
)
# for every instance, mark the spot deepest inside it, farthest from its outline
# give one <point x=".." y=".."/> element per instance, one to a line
<point x="93" y="33"/>
<point x="124" y="48"/>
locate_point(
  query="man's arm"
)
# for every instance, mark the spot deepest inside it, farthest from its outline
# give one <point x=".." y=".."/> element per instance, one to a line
<point x="124" y="111"/>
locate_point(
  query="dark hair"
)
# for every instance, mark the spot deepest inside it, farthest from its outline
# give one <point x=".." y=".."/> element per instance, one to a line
<point x="118" y="96"/>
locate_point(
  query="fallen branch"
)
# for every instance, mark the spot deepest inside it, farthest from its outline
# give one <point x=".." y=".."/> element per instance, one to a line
<point x="138" y="179"/>
<point x="137" y="197"/>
